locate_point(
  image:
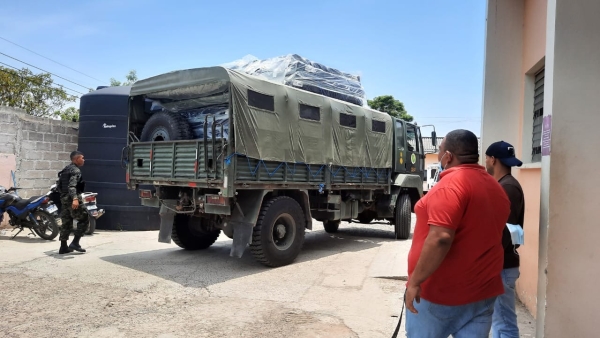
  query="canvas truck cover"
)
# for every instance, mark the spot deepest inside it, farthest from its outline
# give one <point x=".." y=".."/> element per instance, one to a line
<point x="274" y="122"/>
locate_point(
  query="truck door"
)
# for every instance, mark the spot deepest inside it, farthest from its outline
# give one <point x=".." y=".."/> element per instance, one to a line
<point x="400" y="157"/>
<point x="415" y="164"/>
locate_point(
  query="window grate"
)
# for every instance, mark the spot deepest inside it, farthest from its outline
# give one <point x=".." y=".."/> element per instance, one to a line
<point x="538" y="117"/>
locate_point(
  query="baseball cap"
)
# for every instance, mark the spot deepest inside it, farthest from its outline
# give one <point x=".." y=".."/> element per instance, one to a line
<point x="504" y="152"/>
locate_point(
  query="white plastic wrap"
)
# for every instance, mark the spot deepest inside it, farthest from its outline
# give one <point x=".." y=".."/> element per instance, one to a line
<point x="296" y="71"/>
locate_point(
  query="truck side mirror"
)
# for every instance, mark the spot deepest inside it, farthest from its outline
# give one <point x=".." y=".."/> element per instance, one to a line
<point x="434" y="138"/>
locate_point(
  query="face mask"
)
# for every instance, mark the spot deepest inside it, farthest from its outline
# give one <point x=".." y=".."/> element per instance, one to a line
<point x="441" y="168"/>
<point x="516" y="234"/>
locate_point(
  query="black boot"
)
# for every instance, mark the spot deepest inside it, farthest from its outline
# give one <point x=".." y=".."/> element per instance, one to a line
<point x="75" y="244"/>
<point x="64" y="248"/>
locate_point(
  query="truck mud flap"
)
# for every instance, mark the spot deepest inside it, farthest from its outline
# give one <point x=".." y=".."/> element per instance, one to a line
<point x="243" y="218"/>
<point x="167" y="218"/>
<point x="242" y="237"/>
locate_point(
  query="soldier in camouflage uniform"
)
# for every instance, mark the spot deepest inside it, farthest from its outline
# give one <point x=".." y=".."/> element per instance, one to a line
<point x="70" y="185"/>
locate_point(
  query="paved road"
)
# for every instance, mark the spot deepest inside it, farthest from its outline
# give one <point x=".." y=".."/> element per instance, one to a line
<point x="129" y="285"/>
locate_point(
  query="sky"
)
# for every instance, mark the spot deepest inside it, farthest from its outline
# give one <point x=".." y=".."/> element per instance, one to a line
<point x="427" y="54"/>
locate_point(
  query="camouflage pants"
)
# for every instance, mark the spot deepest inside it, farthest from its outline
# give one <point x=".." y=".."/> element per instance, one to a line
<point x="68" y="214"/>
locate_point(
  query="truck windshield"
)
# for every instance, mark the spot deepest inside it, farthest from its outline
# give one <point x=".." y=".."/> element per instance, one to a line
<point x="411" y="138"/>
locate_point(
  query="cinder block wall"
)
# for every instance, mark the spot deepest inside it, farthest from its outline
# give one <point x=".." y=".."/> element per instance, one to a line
<point x="40" y="147"/>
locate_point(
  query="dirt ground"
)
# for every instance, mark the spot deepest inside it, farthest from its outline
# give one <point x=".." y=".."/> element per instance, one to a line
<point x="129" y="285"/>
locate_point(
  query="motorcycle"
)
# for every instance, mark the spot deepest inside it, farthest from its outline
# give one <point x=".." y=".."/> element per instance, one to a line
<point x="89" y="204"/>
<point x="37" y="213"/>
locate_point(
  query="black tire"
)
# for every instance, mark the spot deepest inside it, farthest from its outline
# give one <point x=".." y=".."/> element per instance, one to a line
<point x="278" y="235"/>
<point x="92" y="226"/>
<point x="48" y="229"/>
<point x="331" y="226"/>
<point x="366" y="217"/>
<point x="163" y="126"/>
<point x="402" y="217"/>
<point x="192" y="238"/>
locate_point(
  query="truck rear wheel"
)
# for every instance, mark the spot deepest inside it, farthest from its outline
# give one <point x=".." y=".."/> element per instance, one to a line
<point x="279" y="232"/>
<point x="402" y="217"/>
<point x="190" y="236"/>
<point x="331" y="226"/>
<point x="163" y="126"/>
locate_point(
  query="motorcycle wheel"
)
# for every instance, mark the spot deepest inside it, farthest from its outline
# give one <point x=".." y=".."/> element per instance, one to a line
<point x="91" y="226"/>
<point x="48" y="229"/>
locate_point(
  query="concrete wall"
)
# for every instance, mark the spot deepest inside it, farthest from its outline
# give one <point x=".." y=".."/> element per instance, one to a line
<point x="503" y="82"/>
<point x="572" y="302"/>
<point x="36" y="148"/>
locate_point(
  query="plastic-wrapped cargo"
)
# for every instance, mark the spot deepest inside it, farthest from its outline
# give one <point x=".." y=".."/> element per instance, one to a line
<point x="295" y="71"/>
<point x="217" y="115"/>
<point x="197" y="112"/>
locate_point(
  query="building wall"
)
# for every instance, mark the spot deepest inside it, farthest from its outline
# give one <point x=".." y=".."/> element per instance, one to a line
<point x="572" y="303"/>
<point x="36" y="148"/>
<point x="429" y="159"/>
<point x="515" y="49"/>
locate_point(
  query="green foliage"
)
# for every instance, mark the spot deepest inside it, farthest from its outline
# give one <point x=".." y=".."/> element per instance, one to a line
<point x="69" y="114"/>
<point x="35" y="93"/>
<point x="130" y="79"/>
<point x="387" y="104"/>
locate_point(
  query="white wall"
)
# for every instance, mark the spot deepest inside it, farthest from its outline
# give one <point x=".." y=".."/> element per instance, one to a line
<point x="503" y="83"/>
<point x="573" y="299"/>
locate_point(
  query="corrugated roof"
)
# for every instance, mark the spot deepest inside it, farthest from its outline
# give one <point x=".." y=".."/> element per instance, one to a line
<point x="429" y="148"/>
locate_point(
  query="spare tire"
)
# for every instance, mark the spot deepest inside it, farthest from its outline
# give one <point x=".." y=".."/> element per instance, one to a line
<point x="163" y="126"/>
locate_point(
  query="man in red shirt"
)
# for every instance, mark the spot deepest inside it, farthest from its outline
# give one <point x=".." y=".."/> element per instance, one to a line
<point x="456" y="256"/>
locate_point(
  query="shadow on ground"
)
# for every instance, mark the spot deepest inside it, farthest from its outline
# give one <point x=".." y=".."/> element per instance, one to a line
<point x="214" y="265"/>
<point x="364" y="231"/>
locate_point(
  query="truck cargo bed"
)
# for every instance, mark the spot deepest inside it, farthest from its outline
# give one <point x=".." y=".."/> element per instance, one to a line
<point x="203" y="164"/>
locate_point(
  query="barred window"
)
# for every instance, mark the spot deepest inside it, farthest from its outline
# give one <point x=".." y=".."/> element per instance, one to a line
<point x="538" y="117"/>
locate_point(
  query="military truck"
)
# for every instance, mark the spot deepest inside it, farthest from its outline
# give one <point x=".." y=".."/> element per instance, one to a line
<point x="281" y="158"/>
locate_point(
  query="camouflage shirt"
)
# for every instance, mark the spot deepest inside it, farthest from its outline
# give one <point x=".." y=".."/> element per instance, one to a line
<point x="74" y="174"/>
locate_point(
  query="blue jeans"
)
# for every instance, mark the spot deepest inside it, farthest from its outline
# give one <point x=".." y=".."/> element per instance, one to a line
<point x="472" y="320"/>
<point x="504" y="321"/>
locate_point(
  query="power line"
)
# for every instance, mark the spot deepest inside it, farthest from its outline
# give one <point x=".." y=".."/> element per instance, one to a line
<point x="30" y="65"/>
<point x="15" y="68"/>
<point x="47" y="58"/>
<point x="24" y="78"/>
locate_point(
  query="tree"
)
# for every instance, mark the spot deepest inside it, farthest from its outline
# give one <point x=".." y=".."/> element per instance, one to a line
<point x="69" y="114"/>
<point x="387" y="104"/>
<point x="131" y="78"/>
<point x="35" y="93"/>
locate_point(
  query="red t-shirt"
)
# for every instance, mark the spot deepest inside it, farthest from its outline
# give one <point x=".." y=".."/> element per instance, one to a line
<point x="470" y="201"/>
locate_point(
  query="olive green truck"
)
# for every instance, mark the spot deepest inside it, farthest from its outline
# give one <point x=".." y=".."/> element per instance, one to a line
<point x="217" y="150"/>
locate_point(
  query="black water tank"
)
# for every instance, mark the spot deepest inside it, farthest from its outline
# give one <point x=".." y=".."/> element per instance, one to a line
<point x="102" y="135"/>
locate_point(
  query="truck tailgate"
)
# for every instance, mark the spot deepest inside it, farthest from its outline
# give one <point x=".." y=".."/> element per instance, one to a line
<point x="176" y="161"/>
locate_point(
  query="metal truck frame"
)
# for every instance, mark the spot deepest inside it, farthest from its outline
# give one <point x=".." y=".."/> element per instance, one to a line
<point x="264" y="183"/>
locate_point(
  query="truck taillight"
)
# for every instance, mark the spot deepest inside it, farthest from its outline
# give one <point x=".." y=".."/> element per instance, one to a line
<point x="145" y="194"/>
<point x="216" y="200"/>
<point x="90" y="199"/>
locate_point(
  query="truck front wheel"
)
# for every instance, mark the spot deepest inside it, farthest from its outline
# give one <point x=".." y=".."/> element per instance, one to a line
<point x="402" y="217"/>
<point x="279" y="232"/>
<point x="191" y="236"/>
